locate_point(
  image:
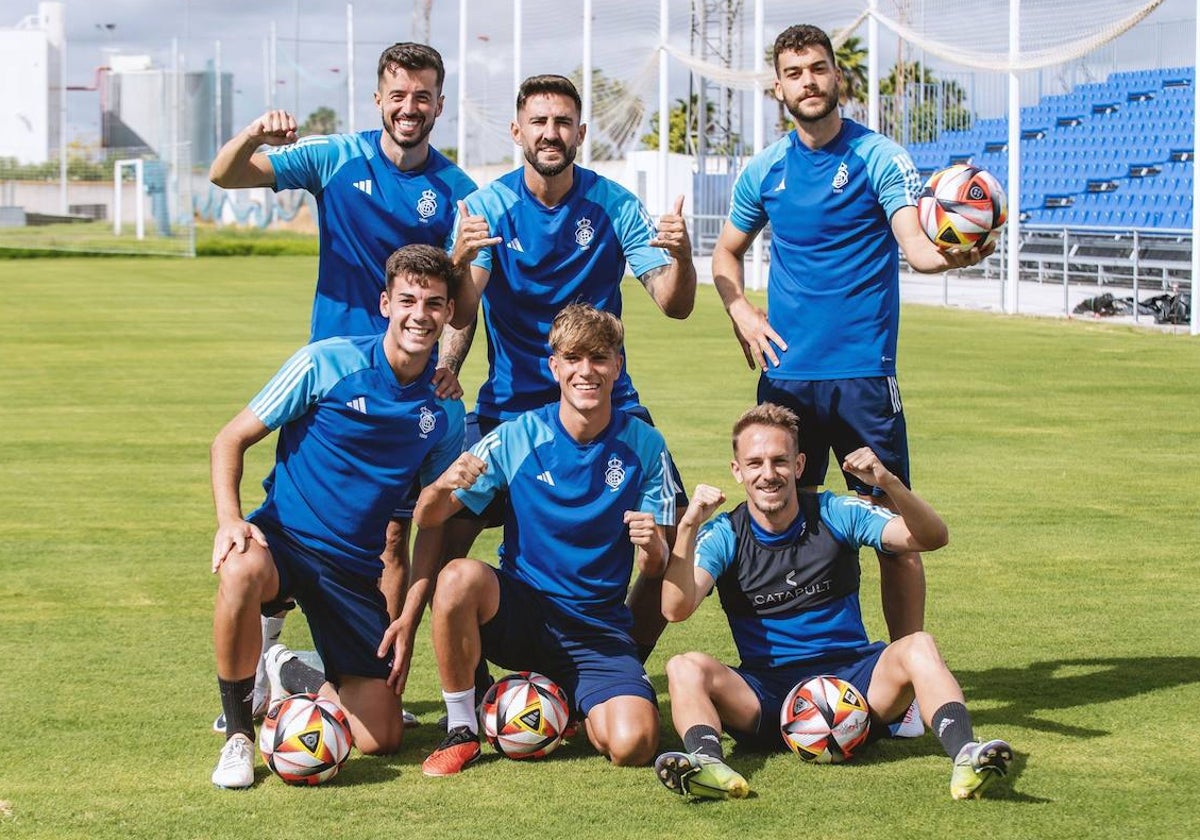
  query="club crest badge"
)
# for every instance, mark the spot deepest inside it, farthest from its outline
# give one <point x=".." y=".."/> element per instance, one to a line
<point x="584" y="232"/>
<point x="426" y="422"/>
<point x="427" y="204"/>
<point x="842" y="176"/>
<point x="614" y="476"/>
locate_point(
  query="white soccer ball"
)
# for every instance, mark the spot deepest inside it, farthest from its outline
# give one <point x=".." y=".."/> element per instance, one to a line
<point x="524" y="715"/>
<point x="961" y="207"/>
<point x="305" y="739"/>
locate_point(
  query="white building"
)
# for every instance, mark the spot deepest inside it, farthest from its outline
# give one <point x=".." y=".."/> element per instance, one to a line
<point x="31" y="85"/>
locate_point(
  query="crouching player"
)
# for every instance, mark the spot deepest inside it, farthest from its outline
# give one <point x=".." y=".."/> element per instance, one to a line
<point x="588" y="494"/>
<point x="785" y="564"/>
<point x="358" y="421"/>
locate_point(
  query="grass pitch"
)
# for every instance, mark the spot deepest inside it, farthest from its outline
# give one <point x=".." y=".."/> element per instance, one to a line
<point x="1062" y="455"/>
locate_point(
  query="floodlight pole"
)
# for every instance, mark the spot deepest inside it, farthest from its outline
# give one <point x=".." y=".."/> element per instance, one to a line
<point x="461" y="138"/>
<point x="873" y="66"/>
<point x="350" y="67"/>
<point x="664" y="105"/>
<point x="518" y="7"/>
<point x="1011" y="291"/>
<point x="586" y="116"/>
<point x="756" y="260"/>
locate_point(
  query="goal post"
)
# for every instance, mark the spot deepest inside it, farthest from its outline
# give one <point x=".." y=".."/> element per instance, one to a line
<point x="139" y="212"/>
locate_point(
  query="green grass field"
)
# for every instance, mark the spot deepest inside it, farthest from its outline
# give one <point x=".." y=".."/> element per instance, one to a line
<point x="1062" y="454"/>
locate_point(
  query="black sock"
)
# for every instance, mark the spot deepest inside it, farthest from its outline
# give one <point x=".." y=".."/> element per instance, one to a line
<point x="298" y="678"/>
<point x="703" y="740"/>
<point x="236" y="699"/>
<point x="952" y="724"/>
<point x="483" y="680"/>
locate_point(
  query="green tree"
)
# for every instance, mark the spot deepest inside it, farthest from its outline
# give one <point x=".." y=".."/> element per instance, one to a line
<point x="321" y="121"/>
<point x="919" y="106"/>
<point x="682" y="131"/>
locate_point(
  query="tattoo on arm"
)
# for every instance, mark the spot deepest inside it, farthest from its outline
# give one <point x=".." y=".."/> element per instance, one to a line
<point x="650" y="278"/>
<point x="456" y="344"/>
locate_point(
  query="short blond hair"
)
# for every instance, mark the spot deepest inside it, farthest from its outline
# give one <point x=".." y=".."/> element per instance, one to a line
<point x="582" y="328"/>
<point x="770" y="415"/>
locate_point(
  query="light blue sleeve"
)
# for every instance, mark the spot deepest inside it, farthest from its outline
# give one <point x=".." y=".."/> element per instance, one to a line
<point x="634" y="228"/>
<point x="304" y="379"/>
<point x="310" y="162"/>
<point x="853" y="521"/>
<point x="716" y="546"/>
<point x="893" y="174"/>
<point x="658" y="489"/>
<point x="746" y="210"/>
<point x="449" y="447"/>
<point x="502" y="450"/>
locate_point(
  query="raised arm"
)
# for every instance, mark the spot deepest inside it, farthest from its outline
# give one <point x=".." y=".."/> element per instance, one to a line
<point x="919" y="251"/>
<point x="686" y="585"/>
<point x="227" y="462"/>
<point x="239" y="165"/>
<point x="750" y="326"/>
<point x="918" y="527"/>
<point x="673" y="286"/>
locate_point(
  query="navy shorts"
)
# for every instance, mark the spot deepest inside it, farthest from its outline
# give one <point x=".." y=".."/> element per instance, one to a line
<point x="592" y="663"/>
<point x="844" y="415"/>
<point x="346" y="613"/>
<point x="493" y="514"/>
<point x="772" y="686"/>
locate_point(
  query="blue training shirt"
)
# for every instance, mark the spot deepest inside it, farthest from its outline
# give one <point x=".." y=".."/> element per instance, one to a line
<point x="552" y="256"/>
<point x="351" y="441"/>
<point x="833" y="289"/>
<point x="564" y="529"/>
<point x="367" y="208"/>
<point x="802" y="634"/>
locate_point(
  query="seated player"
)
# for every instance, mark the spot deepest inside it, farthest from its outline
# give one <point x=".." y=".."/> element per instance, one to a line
<point x="785" y="564"/>
<point x="358" y="421"/>
<point x="587" y="495"/>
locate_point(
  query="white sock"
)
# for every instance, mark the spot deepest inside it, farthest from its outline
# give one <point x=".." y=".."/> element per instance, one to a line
<point x="272" y="626"/>
<point x="460" y="709"/>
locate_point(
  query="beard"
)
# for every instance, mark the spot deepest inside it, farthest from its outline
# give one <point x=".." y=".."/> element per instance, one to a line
<point x="769" y="506"/>
<point x="831" y="102"/>
<point x="549" y="170"/>
<point x="408" y="143"/>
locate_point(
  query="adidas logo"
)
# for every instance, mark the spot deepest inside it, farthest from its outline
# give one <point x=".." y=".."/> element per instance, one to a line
<point x="782" y="184"/>
<point x="365" y="186"/>
<point x="359" y="404"/>
<point x="546" y="478"/>
<point x="515" y="244"/>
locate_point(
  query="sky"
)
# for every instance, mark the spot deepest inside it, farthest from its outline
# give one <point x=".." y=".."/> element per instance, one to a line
<point x="312" y="63"/>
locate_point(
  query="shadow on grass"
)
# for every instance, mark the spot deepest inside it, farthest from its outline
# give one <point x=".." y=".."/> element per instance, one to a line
<point x="1030" y="696"/>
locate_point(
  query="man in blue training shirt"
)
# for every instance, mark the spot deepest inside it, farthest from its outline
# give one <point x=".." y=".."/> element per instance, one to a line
<point x="839" y="199"/>
<point x="358" y="422"/>
<point x="565" y="234"/>
<point x="375" y="190"/>
<point x="785" y="564"/>
<point x="588" y="495"/>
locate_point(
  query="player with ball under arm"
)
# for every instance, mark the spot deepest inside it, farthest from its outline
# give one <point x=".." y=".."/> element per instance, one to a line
<point x="785" y="564"/>
<point x="839" y="198"/>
